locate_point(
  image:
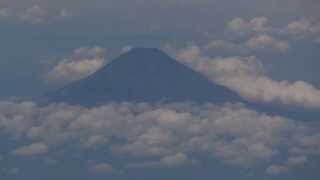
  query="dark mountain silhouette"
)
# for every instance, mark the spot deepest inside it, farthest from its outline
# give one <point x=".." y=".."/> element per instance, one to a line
<point x="150" y="75"/>
<point x="144" y="75"/>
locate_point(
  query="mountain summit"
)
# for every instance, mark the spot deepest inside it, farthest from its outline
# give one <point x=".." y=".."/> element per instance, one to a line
<point x="143" y="75"/>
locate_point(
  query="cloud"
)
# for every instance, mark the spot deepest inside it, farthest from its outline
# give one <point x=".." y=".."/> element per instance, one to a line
<point x="4" y="13"/>
<point x="177" y="160"/>
<point x="248" y="37"/>
<point x="303" y="29"/>
<point x="260" y="34"/>
<point x="174" y="160"/>
<point x="257" y="43"/>
<point x="242" y="26"/>
<point x="276" y="169"/>
<point x="35" y="14"/>
<point x="227" y="47"/>
<point x="83" y="62"/>
<point x="296" y="161"/>
<point x="247" y="77"/>
<point x="102" y="168"/>
<point x="170" y="135"/>
<point x="262" y="42"/>
<point x="31" y="150"/>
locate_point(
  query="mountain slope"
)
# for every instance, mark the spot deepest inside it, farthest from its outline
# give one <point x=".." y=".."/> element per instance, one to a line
<point x="144" y="75"/>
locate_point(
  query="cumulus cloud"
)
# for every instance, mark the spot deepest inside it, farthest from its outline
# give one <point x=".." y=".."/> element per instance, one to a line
<point x="101" y="168"/>
<point x="227" y="47"/>
<point x="179" y="159"/>
<point x="83" y="62"/>
<point x="31" y="150"/>
<point x="276" y="169"/>
<point x="243" y="26"/>
<point x="247" y="76"/>
<point x="261" y="42"/>
<point x="259" y="34"/>
<point x="171" y="135"/>
<point x="255" y="35"/>
<point x="35" y="14"/>
<point x="257" y="43"/>
<point x="303" y="28"/>
<point x="291" y="163"/>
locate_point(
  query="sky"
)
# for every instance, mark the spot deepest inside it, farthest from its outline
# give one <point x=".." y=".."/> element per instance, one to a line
<point x="267" y="51"/>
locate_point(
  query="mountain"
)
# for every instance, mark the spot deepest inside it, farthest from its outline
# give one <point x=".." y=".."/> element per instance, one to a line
<point x="144" y="75"/>
<point x="149" y="75"/>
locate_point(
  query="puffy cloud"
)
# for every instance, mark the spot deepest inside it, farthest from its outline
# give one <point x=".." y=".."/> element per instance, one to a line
<point x="35" y="14"/>
<point x="102" y="168"/>
<point x="246" y="76"/>
<point x="267" y="42"/>
<point x="295" y="161"/>
<point x="179" y="159"/>
<point x="303" y="28"/>
<point x="169" y="135"/>
<point x="83" y="62"/>
<point x="228" y="47"/>
<point x="276" y="169"/>
<point x="287" y="166"/>
<point x="260" y="34"/>
<point x="31" y="150"/>
<point x="175" y="160"/>
<point x="243" y="26"/>
<point x="95" y="140"/>
<point x="258" y="43"/>
<point x="255" y="35"/>
<point x="298" y="27"/>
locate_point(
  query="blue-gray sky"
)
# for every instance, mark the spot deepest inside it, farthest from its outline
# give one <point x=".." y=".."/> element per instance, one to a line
<point x="265" y="50"/>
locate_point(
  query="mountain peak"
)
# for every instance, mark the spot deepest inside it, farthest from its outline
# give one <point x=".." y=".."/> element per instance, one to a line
<point x="145" y="50"/>
<point x="144" y="75"/>
<point x="145" y="54"/>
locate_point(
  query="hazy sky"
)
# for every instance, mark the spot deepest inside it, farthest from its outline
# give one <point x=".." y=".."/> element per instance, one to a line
<point x="265" y="50"/>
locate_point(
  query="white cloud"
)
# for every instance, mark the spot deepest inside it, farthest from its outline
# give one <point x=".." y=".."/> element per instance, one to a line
<point x="276" y="169"/>
<point x="101" y="168"/>
<point x="298" y="27"/>
<point x="35" y="14"/>
<point x="95" y="140"/>
<point x="303" y="28"/>
<point x="260" y="34"/>
<point x="243" y="26"/>
<point x="170" y="161"/>
<point x="175" y="160"/>
<point x="83" y="62"/>
<point x="249" y="36"/>
<point x="31" y="150"/>
<point x="296" y="161"/>
<point x="246" y="76"/>
<point x="222" y="46"/>
<point x="171" y="135"/>
<point x="262" y="42"/>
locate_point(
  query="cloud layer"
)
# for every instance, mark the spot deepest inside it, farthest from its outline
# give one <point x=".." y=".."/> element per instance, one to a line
<point x="171" y="134"/>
